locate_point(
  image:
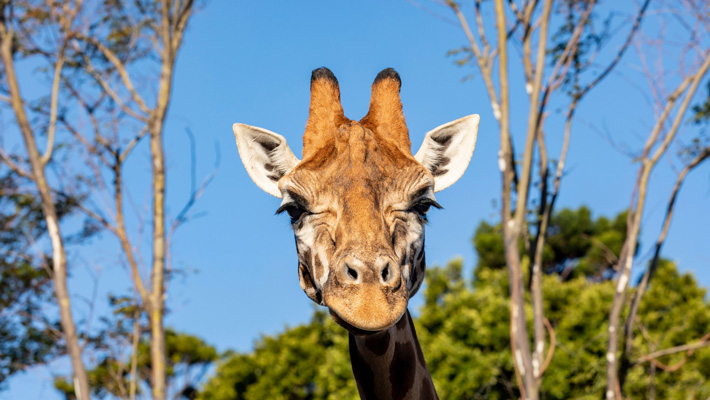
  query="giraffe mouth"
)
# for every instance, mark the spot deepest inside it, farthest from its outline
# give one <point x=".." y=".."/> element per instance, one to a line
<point x="354" y="330"/>
<point x="366" y="310"/>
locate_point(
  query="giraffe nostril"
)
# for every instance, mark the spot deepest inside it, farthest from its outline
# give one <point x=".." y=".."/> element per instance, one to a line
<point x="351" y="272"/>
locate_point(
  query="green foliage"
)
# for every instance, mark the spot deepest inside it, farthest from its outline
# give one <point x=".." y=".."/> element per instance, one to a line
<point x="464" y="329"/>
<point x="464" y="334"/>
<point x="488" y="242"/>
<point x="305" y="362"/>
<point x="188" y="359"/>
<point x="581" y="246"/>
<point x="576" y="245"/>
<point x="672" y="313"/>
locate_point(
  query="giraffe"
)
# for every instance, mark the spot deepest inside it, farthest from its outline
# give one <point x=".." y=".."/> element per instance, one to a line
<point x="358" y="203"/>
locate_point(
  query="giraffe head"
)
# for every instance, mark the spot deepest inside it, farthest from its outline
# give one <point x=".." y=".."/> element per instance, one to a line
<point x="358" y="199"/>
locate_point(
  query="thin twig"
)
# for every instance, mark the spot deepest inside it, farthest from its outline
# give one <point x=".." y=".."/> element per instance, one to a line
<point x="691" y="347"/>
<point x="13" y="166"/>
<point x="53" y="106"/>
<point x="120" y="67"/>
<point x="551" y="350"/>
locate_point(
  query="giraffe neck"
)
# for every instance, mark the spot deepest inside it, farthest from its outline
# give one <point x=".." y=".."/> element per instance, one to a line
<point x="390" y="364"/>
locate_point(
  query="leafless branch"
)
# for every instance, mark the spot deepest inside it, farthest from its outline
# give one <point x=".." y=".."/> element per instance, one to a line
<point x="13" y="166"/>
<point x="133" y="143"/>
<point x="551" y="350"/>
<point x="107" y="88"/>
<point x="620" y="53"/>
<point x="53" y="107"/>
<point x="121" y="68"/>
<point x="195" y="192"/>
<point x="648" y="274"/>
<point x="482" y="61"/>
<point x="690" y="348"/>
<point x="686" y="88"/>
<point x="134" y="355"/>
<point x="49" y="210"/>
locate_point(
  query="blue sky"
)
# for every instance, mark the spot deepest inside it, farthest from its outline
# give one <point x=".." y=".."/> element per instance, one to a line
<point x="250" y="62"/>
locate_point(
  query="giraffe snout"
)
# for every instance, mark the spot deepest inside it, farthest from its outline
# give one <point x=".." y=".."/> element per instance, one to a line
<point x="366" y="296"/>
<point x="383" y="272"/>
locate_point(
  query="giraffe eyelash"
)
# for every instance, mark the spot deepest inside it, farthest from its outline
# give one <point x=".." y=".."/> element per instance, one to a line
<point x="421" y="207"/>
<point x="294" y="210"/>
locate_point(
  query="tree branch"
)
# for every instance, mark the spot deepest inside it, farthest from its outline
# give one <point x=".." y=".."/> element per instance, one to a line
<point x="107" y="88"/>
<point x="614" y="383"/>
<point x="53" y="107"/>
<point x="14" y="167"/>
<point x="648" y="274"/>
<point x="620" y="53"/>
<point x="551" y="350"/>
<point x="703" y="342"/>
<point x="120" y="68"/>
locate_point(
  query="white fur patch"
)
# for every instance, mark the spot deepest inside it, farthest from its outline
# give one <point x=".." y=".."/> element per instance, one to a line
<point x="323" y="257"/>
<point x="414" y="239"/>
<point x="305" y="240"/>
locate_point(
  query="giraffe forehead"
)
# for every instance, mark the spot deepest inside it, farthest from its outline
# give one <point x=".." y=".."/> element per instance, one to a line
<point x="358" y="165"/>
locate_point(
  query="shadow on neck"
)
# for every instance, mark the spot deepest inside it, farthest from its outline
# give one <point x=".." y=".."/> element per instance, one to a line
<point x="390" y="365"/>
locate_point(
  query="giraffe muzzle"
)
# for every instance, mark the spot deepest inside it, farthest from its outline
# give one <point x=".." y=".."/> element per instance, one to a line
<point x="366" y="296"/>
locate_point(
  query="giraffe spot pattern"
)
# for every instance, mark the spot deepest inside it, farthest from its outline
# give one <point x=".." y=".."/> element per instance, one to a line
<point x="364" y="376"/>
<point x="378" y="345"/>
<point x="403" y="363"/>
<point x="427" y="392"/>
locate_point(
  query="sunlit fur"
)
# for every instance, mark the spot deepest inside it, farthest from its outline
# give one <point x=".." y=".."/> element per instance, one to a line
<point x="358" y="182"/>
<point x="358" y="203"/>
<point x="359" y="195"/>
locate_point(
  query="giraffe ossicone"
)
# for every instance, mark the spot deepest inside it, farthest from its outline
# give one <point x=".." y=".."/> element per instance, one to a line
<point x="358" y="201"/>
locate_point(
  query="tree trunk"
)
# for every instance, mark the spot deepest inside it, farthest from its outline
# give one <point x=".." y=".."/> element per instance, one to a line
<point x="59" y="264"/>
<point x="157" y="306"/>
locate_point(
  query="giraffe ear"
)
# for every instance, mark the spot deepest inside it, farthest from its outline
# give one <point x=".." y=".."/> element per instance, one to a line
<point x="265" y="155"/>
<point x="447" y="150"/>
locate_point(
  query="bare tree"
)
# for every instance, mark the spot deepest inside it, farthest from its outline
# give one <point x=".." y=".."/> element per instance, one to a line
<point x="113" y="64"/>
<point x="111" y="55"/>
<point x="670" y="108"/>
<point x="526" y="24"/>
<point x="64" y="16"/>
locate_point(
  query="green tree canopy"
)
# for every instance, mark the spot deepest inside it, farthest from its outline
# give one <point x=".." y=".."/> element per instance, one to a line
<point x="464" y="328"/>
<point x="188" y="357"/>
<point x="577" y="244"/>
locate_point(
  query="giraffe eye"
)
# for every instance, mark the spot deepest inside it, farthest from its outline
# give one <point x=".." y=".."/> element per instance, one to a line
<point x="421" y="208"/>
<point x="423" y="205"/>
<point x="294" y="210"/>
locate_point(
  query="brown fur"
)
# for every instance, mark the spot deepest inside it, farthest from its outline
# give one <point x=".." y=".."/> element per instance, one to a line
<point x="358" y="182"/>
<point x="385" y="116"/>
<point x="325" y="113"/>
<point x="352" y="185"/>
